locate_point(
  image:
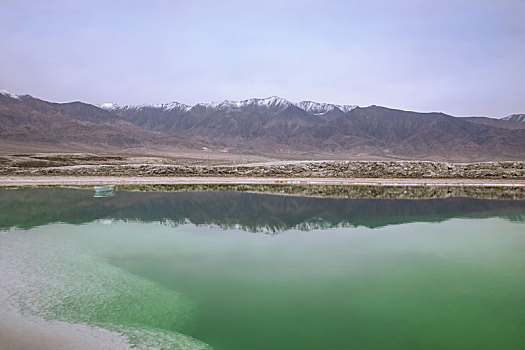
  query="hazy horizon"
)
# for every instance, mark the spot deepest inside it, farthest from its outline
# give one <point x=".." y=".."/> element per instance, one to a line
<point x="463" y="58"/>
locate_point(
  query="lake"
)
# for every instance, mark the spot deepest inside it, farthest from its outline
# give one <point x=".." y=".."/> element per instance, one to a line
<point x="236" y="270"/>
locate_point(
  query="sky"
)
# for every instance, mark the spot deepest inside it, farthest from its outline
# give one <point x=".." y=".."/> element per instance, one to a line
<point x="461" y="57"/>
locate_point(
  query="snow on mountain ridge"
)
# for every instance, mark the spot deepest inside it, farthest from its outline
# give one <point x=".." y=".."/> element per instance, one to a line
<point x="268" y="102"/>
<point x="109" y="106"/>
<point x="172" y="105"/>
<point x="322" y="108"/>
<point x="7" y="93"/>
<point x="515" y="118"/>
<point x="346" y="108"/>
<point x="315" y="107"/>
<point x="272" y="102"/>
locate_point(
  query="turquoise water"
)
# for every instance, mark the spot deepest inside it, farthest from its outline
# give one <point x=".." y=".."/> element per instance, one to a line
<point x="245" y="271"/>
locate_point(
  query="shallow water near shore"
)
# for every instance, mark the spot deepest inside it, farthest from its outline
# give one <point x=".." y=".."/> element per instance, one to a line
<point x="230" y="270"/>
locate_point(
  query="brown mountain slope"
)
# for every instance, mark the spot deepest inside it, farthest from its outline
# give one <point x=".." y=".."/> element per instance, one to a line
<point x="27" y="119"/>
<point x="371" y="131"/>
<point x="388" y="132"/>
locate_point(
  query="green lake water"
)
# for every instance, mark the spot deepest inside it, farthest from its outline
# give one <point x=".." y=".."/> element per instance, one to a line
<point x="230" y="270"/>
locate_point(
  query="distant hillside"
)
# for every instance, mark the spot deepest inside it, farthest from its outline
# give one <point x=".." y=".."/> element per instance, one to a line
<point x="499" y="123"/>
<point x="271" y="126"/>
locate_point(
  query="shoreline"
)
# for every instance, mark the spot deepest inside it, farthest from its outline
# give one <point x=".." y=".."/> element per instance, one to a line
<point x="24" y="331"/>
<point x="7" y="181"/>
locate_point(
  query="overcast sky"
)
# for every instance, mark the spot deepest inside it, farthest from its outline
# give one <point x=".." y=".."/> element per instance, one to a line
<point x="462" y="57"/>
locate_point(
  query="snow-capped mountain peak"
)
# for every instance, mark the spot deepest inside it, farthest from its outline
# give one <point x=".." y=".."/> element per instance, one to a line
<point x="210" y="104"/>
<point x="269" y="102"/>
<point x="315" y="107"/>
<point x="515" y="117"/>
<point x="346" y="108"/>
<point x="274" y="103"/>
<point x="7" y="93"/>
<point x="322" y="108"/>
<point x="172" y="106"/>
<point x="109" y="106"/>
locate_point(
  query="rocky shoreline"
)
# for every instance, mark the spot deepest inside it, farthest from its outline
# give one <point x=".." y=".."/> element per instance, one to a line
<point x="345" y="191"/>
<point x="282" y="169"/>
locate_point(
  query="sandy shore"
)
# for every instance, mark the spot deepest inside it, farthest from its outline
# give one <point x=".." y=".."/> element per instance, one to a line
<point x="139" y="180"/>
<point x="20" y="333"/>
<point x="26" y="332"/>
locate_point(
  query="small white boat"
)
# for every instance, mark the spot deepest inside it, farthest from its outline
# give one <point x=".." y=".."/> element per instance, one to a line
<point x="104" y="188"/>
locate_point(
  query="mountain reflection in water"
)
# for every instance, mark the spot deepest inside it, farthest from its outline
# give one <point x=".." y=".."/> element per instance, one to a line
<point x="29" y="207"/>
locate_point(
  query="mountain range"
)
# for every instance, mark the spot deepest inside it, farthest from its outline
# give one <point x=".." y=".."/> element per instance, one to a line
<point x="268" y="126"/>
